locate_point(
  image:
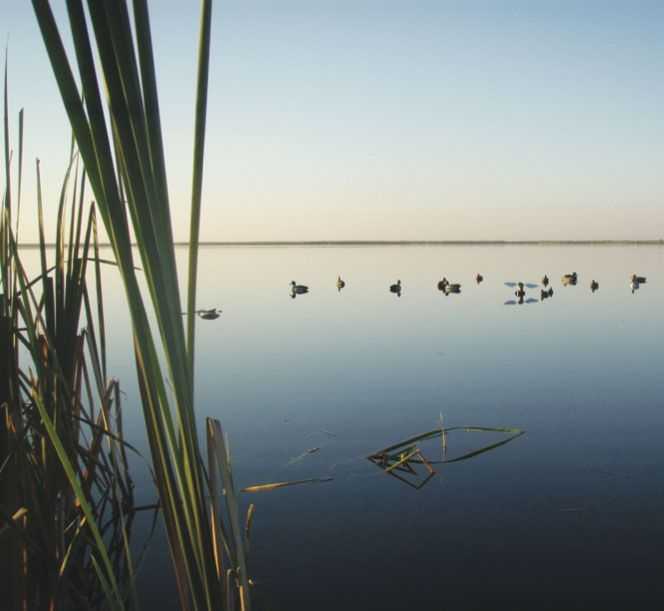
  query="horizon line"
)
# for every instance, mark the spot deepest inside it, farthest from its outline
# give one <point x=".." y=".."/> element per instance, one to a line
<point x="659" y="242"/>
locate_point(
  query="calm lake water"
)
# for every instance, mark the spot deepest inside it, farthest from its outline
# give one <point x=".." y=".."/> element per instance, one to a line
<point x="569" y="515"/>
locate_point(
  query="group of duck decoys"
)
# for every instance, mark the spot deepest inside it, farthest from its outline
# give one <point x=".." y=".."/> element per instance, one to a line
<point x="448" y="288"/>
<point x="571" y="279"/>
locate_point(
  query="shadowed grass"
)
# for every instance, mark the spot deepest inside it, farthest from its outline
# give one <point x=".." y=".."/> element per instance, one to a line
<point x="66" y="497"/>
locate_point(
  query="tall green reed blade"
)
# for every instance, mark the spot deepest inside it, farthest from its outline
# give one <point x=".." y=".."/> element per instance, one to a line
<point x="8" y="192"/>
<point x="20" y="171"/>
<point x="220" y="466"/>
<point x="197" y="178"/>
<point x="126" y="171"/>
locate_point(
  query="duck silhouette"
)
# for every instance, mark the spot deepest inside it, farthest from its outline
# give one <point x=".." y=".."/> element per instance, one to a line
<point x="298" y="289"/>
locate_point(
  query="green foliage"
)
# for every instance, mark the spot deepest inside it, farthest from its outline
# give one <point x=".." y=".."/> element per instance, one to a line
<point x="66" y="497"/>
<point x="121" y="145"/>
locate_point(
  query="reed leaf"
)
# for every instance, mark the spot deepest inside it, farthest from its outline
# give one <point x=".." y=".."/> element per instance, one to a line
<point x="276" y="485"/>
<point x="126" y="170"/>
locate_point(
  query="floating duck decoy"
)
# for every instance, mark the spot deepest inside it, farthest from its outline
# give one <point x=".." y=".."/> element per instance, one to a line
<point x="545" y="280"/>
<point x="594" y="285"/>
<point x="396" y="288"/>
<point x="340" y="283"/>
<point x="452" y="288"/>
<point x="298" y="289"/>
<point x="638" y="279"/>
<point x="569" y="279"/>
<point x="544" y="294"/>
<point x="520" y="291"/>
<point x="479" y="278"/>
<point x="442" y="284"/>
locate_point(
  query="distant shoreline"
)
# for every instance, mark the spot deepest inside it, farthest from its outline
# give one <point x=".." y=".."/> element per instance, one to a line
<point x="412" y="243"/>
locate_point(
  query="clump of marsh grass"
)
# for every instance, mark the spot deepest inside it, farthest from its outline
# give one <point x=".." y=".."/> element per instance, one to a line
<point x="66" y="496"/>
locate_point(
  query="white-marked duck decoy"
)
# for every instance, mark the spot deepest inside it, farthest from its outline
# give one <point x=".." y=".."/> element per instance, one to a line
<point x="569" y="279"/>
<point x="340" y="283"/>
<point x="545" y="281"/>
<point x="396" y="288"/>
<point x="452" y="288"/>
<point x="594" y="285"/>
<point x="520" y="291"/>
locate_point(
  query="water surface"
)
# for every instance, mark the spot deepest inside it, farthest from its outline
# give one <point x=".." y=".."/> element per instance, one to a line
<point x="570" y="515"/>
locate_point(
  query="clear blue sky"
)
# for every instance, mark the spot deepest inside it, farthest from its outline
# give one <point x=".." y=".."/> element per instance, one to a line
<point x="398" y="120"/>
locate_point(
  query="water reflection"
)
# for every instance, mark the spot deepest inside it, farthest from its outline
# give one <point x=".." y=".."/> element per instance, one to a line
<point x="209" y="314"/>
<point x="544" y="294"/>
<point x="368" y="370"/>
<point x="520" y="293"/>
<point x="528" y="285"/>
<point x="521" y="300"/>
<point x="636" y="282"/>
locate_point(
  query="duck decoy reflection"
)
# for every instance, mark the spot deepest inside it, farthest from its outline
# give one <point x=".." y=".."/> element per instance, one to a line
<point x="340" y="283"/>
<point x="396" y="288"/>
<point x="636" y="282"/>
<point x="546" y="294"/>
<point x="210" y="314"/>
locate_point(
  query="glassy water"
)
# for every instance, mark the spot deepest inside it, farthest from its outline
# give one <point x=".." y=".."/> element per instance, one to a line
<point x="569" y="515"/>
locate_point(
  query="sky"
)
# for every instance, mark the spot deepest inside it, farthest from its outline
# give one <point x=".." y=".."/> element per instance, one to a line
<point x="391" y="120"/>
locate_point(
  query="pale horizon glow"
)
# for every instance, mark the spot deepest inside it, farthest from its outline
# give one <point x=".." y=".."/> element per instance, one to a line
<point x="371" y="120"/>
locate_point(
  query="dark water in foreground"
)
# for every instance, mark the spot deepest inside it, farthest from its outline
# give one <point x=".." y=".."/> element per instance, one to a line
<point x="568" y="516"/>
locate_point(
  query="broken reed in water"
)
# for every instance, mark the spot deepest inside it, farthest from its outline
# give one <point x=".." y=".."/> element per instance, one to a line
<point x="275" y="485"/>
